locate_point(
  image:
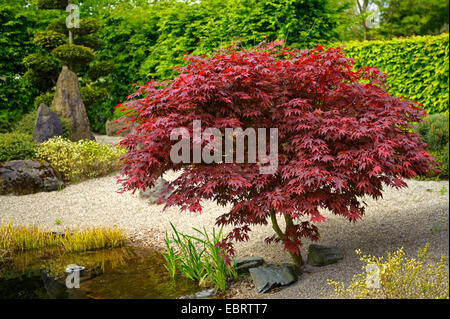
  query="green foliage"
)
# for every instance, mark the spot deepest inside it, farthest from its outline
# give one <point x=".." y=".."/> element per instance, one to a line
<point x="45" y="98"/>
<point x="93" y="94"/>
<point x="435" y="132"/>
<point x="52" y="4"/>
<point x="99" y="69"/>
<point x="57" y="25"/>
<point x="26" y="124"/>
<point x="49" y="40"/>
<point x="74" y="56"/>
<point x="199" y="259"/>
<point x="418" y="67"/>
<point x="16" y="146"/>
<point x="87" y="26"/>
<point x="403" y="18"/>
<point x="91" y="41"/>
<point x="79" y="160"/>
<point x="398" y="277"/>
<point x="40" y="63"/>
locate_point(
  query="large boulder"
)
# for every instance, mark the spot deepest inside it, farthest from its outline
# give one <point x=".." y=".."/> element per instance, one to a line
<point x="24" y="177"/>
<point x="68" y="103"/>
<point x="319" y="255"/>
<point x="269" y="276"/>
<point x="113" y="127"/>
<point x="47" y="124"/>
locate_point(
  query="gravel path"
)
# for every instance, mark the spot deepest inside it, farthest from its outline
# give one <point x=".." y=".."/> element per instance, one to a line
<point x="410" y="218"/>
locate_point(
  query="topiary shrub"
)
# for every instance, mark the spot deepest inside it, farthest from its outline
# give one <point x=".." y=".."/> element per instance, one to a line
<point x="40" y="64"/>
<point x="74" y="56"/>
<point x="339" y="137"/>
<point x="16" y="146"/>
<point x="80" y="160"/>
<point x="49" y="40"/>
<point x="90" y="41"/>
<point x="52" y="4"/>
<point x="93" y="94"/>
<point x="99" y="69"/>
<point x="87" y="26"/>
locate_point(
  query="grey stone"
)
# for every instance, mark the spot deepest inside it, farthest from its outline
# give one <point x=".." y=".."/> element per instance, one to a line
<point x="270" y="276"/>
<point x="114" y="126"/>
<point x="243" y="264"/>
<point x="24" y="177"/>
<point x="154" y="193"/>
<point x="201" y="294"/>
<point x="47" y="124"/>
<point x="68" y="103"/>
<point x="319" y="255"/>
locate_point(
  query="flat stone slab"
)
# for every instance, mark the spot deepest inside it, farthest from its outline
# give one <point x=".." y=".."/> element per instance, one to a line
<point x="243" y="264"/>
<point x="208" y="293"/>
<point x="269" y="276"/>
<point x="319" y="255"/>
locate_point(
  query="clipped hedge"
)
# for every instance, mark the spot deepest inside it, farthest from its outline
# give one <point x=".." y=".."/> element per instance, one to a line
<point x="418" y="67"/>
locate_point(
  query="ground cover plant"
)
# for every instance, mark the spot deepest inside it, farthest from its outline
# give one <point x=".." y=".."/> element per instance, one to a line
<point x="340" y="135"/>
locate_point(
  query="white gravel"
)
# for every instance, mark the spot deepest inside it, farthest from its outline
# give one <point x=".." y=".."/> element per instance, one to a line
<point x="410" y="218"/>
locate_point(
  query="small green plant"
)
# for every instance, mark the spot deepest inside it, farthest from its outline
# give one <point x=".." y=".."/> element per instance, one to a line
<point x="443" y="190"/>
<point x="16" y="146"/>
<point x="438" y="228"/>
<point x="199" y="259"/>
<point x="57" y="221"/>
<point x="398" y="277"/>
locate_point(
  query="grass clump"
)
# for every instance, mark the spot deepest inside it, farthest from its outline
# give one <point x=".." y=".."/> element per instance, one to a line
<point x="21" y="238"/>
<point x="77" y="161"/>
<point x="397" y="277"/>
<point x="199" y="258"/>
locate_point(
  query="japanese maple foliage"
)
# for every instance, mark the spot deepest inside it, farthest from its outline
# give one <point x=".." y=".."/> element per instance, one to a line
<point x="341" y="136"/>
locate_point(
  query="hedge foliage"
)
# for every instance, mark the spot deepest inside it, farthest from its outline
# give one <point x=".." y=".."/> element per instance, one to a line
<point x="418" y="67"/>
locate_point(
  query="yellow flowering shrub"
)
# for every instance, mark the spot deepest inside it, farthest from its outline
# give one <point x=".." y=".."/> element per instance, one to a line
<point x="80" y="160"/>
<point x="397" y="277"/>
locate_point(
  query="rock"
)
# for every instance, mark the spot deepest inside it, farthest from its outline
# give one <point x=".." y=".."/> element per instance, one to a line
<point x="243" y="264"/>
<point x="68" y="103"/>
<point x="24" y="177"/>
<point x="201" y="294"/>
<point x="319" y="255"/>
<point x="154" y="193"/>
<point x="47" y="124"/>
<point x="116" y="125"/>
<point x="270" y="276"/>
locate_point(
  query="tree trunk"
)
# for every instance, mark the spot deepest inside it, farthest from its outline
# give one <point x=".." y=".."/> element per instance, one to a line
<point x="297" y="259"/>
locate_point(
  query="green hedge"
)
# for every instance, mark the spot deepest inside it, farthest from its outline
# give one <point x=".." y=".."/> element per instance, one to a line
<point x="418" y="67"/>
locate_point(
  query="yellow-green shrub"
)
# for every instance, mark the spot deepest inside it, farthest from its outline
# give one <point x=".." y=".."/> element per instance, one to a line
<point x="418" y="67"/>
<point x="398" y="278"/>
<point x="80" y="160"/>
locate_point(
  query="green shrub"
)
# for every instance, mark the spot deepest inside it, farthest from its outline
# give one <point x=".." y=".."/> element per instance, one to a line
<point x="418" y="67"/>
<point x="90" y="41"/>
<point x="87" y="26"/>
<point x="99" y="69"/>
<point x="435" y="132"/>
<point x="74" y="56"/>
<point x="93" y="94"/>
<point x="40" y="64"/>
<point x="58" y="25"/>
<point x="16" y="146"/>
<point x="52" y="4"/>
<point x="79" y="160"/>
<point x="398" y="277"/>
<point x="45" y="98"/>
<point x="49" y="39"/>
<point x="26" y="124"/>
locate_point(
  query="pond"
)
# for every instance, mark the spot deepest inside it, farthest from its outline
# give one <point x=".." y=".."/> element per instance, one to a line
<point x="119" y="273"/>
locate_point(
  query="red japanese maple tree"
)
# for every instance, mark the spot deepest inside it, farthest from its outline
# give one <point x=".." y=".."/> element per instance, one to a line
<point x="341" y="136"/>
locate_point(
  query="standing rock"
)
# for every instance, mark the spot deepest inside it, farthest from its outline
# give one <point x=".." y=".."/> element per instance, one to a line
<point x="25" y="177"/>
<point x="270" y="276"/>
<point x="47" y="124"/>
<point x="319" y="255"/>
<point x="68" y="103"/>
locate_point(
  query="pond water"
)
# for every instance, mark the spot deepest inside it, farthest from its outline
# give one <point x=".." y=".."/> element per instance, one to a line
<point x="128" y="272"/>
